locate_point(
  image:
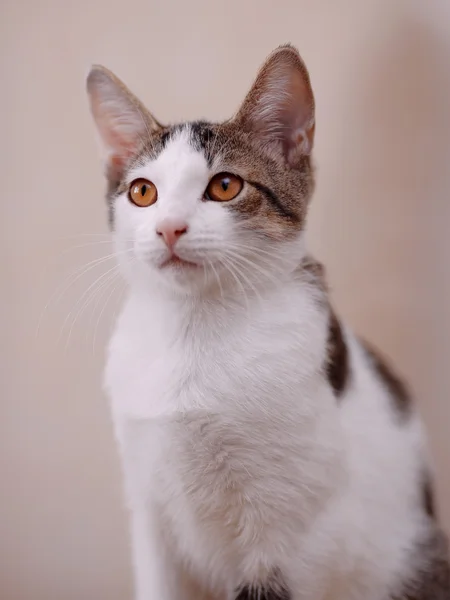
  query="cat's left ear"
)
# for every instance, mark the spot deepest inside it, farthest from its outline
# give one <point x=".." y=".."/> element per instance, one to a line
<point x="123" y="122"/>
<point x="279" y="109"/>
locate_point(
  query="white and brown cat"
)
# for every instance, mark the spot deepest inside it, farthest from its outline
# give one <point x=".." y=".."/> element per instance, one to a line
<point x="267" y="452"/>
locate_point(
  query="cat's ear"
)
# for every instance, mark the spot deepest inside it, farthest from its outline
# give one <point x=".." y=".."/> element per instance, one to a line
<point x="123" y="122"/>
<point x="279" y="109"/>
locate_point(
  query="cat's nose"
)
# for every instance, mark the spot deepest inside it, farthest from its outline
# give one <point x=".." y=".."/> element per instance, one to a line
<point x="171" y="230"/>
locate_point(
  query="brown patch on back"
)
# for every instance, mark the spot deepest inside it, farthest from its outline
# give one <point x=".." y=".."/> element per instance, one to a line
<point x="337" y="367"/>
<point x="429" y="503"/>
<point x="431" y="574"/>
<point x="398" y="391"/>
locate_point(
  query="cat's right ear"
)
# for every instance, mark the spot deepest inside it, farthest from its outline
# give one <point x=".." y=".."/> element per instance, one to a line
<point x="123" y="122"/>
<point x="279" y="109"/>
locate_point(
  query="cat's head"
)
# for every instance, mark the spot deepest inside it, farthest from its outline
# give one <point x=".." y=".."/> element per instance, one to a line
<point x="210" y="205"/>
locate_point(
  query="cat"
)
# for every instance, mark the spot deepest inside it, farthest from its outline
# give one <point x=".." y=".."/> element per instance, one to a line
<point x="267" y="451"/>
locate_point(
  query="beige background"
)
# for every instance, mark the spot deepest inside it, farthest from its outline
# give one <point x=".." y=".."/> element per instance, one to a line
<point x="381" y="72"/>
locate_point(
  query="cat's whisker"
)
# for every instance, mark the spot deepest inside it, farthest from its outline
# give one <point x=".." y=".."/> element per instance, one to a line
<point x="253" y="265"/>
<point x="71" y="280"/>
<point x="228" y="265"/>
<point x="116" y="280"/>
<point x="90" y="296"/>
<point x="99" y="297"/>
<point x="249" y="268"/>
<point x="255" y="249"/>
<point x="260" y="253"/>
<point x="87" y="245"/>
<point x="274" y="263"/>
<point x="217" y="276"/>
<point x="248" y="278"/>
<point x="94" y="287"/>
<point x="116" y="276"/>
<point x="84" y="235"/>
<point x="245" y="279"/>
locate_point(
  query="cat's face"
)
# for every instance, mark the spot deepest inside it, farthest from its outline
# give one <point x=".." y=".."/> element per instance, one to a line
<point x="203" y="206"/>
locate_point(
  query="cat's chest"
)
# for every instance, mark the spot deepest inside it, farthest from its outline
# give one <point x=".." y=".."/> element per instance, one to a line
<point x="182" y="380"/>
<point x="154" y="373"/>
<point x="217" y="477"/>
<point x="217" y="416"/>
<point x="205" y="469"/>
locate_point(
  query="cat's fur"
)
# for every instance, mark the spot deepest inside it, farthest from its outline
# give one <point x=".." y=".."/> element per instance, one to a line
<point x="267" y="452"/>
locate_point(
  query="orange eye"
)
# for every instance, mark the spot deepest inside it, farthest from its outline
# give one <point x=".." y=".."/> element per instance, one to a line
<point x="223" y="187"/>
<point x="143" y="193"/>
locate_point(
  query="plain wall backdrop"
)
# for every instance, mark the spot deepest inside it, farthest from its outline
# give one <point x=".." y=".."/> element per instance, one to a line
<point x="380" y="220"/>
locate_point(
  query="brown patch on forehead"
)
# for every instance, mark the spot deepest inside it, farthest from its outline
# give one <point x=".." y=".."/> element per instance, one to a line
<point x="203" y="137"/>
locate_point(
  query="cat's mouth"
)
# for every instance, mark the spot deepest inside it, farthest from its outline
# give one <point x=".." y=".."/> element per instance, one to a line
<point x="175" y="262"/>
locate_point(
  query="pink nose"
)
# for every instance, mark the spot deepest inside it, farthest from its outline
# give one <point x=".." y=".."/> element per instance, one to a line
<point x="171" y="230"/>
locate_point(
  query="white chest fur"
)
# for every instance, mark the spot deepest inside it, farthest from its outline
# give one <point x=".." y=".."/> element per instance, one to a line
<point x="225" y="422"/>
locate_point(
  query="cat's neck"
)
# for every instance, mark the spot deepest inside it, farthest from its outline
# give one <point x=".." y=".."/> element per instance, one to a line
<point x="196" y="317"/>
<point x="212" y="306"/>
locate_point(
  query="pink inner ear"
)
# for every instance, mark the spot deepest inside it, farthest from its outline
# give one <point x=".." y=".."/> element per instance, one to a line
<point x="118" y="141"/>
<point x="280" y="106"/>
<point x="298" y="110"/>
<point x="122" y="149"/>
<point x="116" y="164"/>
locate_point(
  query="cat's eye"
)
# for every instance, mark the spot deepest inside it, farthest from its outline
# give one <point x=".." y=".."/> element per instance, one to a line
<point x="143" y="192"/>
<point x="223" y="187"/>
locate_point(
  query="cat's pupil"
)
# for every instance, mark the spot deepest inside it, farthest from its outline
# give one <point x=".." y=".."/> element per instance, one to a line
<point x="225" y="184"/>
<point x="143" y="190"/>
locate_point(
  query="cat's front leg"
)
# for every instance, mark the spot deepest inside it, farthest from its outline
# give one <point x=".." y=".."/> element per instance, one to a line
<point x="150" y="563"/>
<point x="157" y="576"/>
<point x="156" y="573"/>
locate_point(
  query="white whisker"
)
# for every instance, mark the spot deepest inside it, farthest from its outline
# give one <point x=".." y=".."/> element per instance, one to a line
<point x="230" y="267"/>
<point x="99" y="294"/>
<point x="72" y="279"/>
<point x="216" y="275"/>
<point x="89" y="299"/>
<point x="247" y="280"/>
<point x="253" y="265"/>
<point x="114" y="283"/>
